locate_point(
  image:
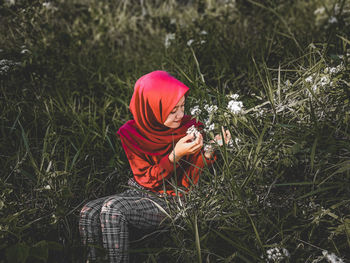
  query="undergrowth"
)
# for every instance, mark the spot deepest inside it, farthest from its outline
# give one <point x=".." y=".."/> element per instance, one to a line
<point x="275" y="73"/>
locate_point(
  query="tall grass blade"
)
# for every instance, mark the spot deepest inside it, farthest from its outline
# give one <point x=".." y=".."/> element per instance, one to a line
<point x="198" y="245"/>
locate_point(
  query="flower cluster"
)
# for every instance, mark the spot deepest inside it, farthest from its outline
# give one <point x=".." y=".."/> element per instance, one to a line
<point x="24" y="49"/>
<point x="323" y="79"/>
<point x="334" y="70"/>
<point x="277" y="254"/>
<point x="10" y="2"/>
<point x="327" y="15"/>
<point x="194" y="131"/>
<point x="208" y="111"/>
<point x="202" y="41"/>
<point x="196" y="111"/>
<point x="331" y="257"/>
<point x="6" y="65"/>
<point x="168" y="38"/>
<point x="234" y="106"/>
<point x="211" y="109"/>
<point x="208" y="122"/>
<point x="49" y="6"/>
<point x="211" y="118"/>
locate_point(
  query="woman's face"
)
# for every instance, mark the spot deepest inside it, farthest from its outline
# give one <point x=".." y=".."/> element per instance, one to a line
<point x="176" y="115"/>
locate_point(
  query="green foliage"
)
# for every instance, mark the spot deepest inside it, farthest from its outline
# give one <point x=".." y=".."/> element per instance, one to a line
<point x="67" y="70"/>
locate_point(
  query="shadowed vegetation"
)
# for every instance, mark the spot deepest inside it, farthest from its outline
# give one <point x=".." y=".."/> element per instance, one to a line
<point x="67" y="70"/>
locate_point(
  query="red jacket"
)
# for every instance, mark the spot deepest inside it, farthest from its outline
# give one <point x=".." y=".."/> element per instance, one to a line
<point x="152" y="171"/>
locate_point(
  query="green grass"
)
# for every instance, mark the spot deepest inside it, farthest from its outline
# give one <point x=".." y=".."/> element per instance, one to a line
<point x="66" y="79"/>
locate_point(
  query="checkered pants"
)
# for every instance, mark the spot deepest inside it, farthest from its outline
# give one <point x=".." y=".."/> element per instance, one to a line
<point x="109" y="217"/>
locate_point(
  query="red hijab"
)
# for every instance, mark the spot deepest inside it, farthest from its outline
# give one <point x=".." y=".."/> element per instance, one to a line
<point x="155" y="96"/>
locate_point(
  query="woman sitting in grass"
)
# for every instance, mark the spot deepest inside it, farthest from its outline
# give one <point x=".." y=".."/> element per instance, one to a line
<point x="164" y="158"/>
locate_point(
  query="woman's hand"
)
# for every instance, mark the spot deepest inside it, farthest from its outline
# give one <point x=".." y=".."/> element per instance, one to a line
<point x="227" y="137"/>
<point x="218" y="140"/>
<point x="185" y="146"/>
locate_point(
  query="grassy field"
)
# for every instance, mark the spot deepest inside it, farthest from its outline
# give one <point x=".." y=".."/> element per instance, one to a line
<point x="275" y="73"/>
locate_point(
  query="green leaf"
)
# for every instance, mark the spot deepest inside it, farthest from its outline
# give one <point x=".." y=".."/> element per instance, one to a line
<point x="17" y="253"/>
<point x="312" y="155"/>
<point x="40" y="250"/>
<point x="198" y="246"/>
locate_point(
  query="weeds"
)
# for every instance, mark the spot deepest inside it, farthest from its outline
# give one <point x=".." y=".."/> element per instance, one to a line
<point x="276" y="74"/>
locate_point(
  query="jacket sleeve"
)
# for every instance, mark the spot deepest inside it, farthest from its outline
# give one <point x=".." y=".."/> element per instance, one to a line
<point x="148" y="174"/>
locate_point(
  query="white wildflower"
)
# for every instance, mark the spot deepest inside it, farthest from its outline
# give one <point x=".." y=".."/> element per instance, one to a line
<point x="337" y="8"/>
<point x="339" y="68"/>
<point x="47" y="187"/>
<point x="332" y="258"/>
<point x="168" y="38"/>
<point x="309" y="79"/>
<point x="196" y="111"/>
<point x="234" y="96"/>
<point x="203" y="32"/>
<point x="208" y="148"/>
<point x="332" y="20"/>
<point x="211" y="109"/>
<point x="276" y="254"/>
<point x="6" y="65"/>
<point x="260" y="113"/>
<point x="10" y="2"/>
<point x="8" y="62"/>
<point x="324" y="81"/>
<point x="334" y="70"/>
<point x="285" y="252"/>
<point x="49" y="6"/>
<point x="54" y="219"/>
<point x="235" y="107"/>
<point x="312" y="45"/>
<point x="194" y="131"/>
<point x="288" y="83"/>
<point x="4" y="62"/>
<point x="230" y="143"/>
<point x="189" y="42"/>
<point x="209" y="126"/>
<point x="202" y="42"/>
<point x="4" y="69"/>
<point x="319" y="10"/>
<point x="24" y="51"/>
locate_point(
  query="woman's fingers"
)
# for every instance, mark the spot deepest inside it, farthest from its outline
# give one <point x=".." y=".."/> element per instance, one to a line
<point x="188" y="137"/>
<point x="199" y="139"/>
<point x="186" y="146"/>
<point x="197" y="144"/>
<point x="218" y="139"/>
<point x="227" y="136"/>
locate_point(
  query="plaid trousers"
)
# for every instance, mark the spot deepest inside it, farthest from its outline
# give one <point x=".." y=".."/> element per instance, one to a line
<point x="107" y="219"/>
